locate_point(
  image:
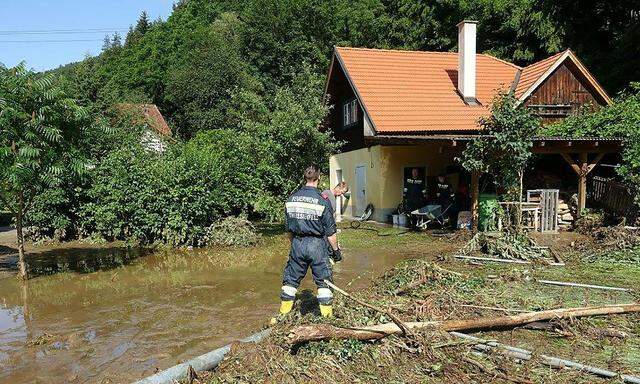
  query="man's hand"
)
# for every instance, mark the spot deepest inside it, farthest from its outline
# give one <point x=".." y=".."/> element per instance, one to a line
<point x="336" y="255"/>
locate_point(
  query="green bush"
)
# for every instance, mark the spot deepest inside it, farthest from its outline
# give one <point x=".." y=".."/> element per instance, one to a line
<point x="174" y="197"/>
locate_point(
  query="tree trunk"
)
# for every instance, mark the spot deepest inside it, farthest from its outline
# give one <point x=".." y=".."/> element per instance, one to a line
<point x="519" y="213"/>
<point x="475" y="181"/>
<point x="316" y="332"/>
<point x="22" y="266"/>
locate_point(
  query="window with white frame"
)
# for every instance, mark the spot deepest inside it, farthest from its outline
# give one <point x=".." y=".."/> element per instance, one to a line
<point x="350" y="113"/>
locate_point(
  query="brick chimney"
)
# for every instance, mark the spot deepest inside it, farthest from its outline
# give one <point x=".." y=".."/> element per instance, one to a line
<point x="467" y="61"/>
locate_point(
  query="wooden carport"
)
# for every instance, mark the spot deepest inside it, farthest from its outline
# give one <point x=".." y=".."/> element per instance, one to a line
<point x="582" y="155"/>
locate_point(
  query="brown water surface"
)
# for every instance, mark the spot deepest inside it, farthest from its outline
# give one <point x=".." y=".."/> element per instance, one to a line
<point x="109" y="316"/>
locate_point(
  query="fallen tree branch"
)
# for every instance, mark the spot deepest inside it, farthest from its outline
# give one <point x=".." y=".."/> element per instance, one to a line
<point x="313" y="332"/>
<point x="396" y="320"/>
<point x="492" y="308"/>
<point x="523" y="354"/>
<point x="579" y="285"/>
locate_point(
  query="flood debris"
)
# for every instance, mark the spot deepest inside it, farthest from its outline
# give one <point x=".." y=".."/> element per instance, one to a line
<point x="523" y="354"/>
<point x="516" y="248"/>
<point x="396" y="320"/>
<point x="363" y="343"/>
<point x="43" y="339"/>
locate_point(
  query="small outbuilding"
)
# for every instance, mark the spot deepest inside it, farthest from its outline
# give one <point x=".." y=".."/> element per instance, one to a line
<point x="400" y="110"/>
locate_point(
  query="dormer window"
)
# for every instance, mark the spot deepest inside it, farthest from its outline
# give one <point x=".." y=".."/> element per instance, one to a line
<point x="349" y="113"/>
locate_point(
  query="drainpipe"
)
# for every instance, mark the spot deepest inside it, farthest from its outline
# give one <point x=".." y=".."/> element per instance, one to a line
<point x="205" y="362"/>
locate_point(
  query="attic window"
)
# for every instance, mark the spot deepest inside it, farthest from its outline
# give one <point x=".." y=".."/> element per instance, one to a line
<point x="350" y="113"/>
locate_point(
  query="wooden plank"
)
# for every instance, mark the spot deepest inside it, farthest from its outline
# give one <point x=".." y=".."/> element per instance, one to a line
<point x="582" y="183"/>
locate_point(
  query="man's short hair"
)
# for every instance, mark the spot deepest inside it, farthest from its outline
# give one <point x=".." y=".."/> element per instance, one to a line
<point x="312" y="173"/>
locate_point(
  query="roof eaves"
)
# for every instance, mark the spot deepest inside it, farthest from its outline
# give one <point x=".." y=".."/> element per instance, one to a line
<point x="326" y="83"/>
<point x="590" y="77"/>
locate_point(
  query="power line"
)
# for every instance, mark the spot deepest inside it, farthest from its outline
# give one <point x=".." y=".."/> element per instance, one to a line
<point x="51" y="41"/>
<point x="62" y="31"/>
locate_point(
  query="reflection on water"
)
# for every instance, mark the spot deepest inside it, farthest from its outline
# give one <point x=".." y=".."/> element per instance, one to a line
<point x="74" y="260"/>
<point x="112" y="317"/>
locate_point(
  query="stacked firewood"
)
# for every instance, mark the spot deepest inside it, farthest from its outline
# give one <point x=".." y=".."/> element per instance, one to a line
<point x="565" y="216"/>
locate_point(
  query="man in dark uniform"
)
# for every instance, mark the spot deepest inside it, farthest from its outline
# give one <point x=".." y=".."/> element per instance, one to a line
<point x="310" y="223"/>
<point x="444" y="192"/>
<point x="414" y="193"/>
<point x="445" y="198"/>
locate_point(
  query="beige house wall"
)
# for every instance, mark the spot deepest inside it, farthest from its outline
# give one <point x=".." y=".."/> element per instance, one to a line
<point x="385" y="171"/>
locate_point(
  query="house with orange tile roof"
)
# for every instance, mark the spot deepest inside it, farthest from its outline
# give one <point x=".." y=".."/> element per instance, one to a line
<point x="398" y="110"/>
<point x="157" y="131"/>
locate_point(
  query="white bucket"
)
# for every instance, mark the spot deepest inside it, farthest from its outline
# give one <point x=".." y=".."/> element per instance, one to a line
<point x="402" y="220"/>
<point x="394" y="218"/>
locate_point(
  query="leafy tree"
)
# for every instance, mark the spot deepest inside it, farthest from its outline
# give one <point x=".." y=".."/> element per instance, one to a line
<point x="504" y="148"/>
<point x="201" y="86"/>
<point x="174" y="197"/>
<point x="604" y="34"/>
<point x="38" y="126"/>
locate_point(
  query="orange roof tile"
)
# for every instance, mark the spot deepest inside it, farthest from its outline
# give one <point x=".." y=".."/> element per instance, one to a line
<point x="146" y="114"/>
<point x="413" y="91"/>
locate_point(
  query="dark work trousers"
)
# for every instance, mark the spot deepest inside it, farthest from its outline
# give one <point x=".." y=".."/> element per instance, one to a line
<point x="307" y="251"/>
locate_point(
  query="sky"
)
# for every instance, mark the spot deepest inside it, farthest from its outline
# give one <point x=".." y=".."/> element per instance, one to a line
<point x="47" y="34"/>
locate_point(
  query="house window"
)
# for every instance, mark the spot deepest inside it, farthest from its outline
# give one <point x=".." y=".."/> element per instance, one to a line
<point x="349" y="113"/>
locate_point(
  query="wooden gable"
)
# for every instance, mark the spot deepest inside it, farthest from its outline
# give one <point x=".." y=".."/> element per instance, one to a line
<point x="563" y="92"/>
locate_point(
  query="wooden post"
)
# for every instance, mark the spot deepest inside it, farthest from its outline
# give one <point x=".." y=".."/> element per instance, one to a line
<point x="582" y="183"/>
<point x="475" y="176"/>
<point x="582" y="168"/>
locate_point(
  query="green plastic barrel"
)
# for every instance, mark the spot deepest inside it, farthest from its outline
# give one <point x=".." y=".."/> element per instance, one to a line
<point x="487" y="211"/>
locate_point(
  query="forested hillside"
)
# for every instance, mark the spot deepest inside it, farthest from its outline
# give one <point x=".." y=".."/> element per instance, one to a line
<point x="213" y="64"/>
<point x="240" y="84"/>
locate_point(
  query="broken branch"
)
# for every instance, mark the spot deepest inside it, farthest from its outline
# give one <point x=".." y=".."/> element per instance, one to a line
<point x="314" y="332"/>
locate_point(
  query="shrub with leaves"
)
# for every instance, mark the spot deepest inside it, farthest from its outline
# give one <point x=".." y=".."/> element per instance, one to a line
<point x="174" y="197"/>
<point x="504" y="147"/>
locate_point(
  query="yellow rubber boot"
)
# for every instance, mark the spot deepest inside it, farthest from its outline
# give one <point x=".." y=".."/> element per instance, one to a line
<point x="326" y="310"/>
<point x="286" y="306"/>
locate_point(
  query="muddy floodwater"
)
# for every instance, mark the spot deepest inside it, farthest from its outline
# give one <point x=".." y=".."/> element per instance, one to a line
<point x="116" y="315"/>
